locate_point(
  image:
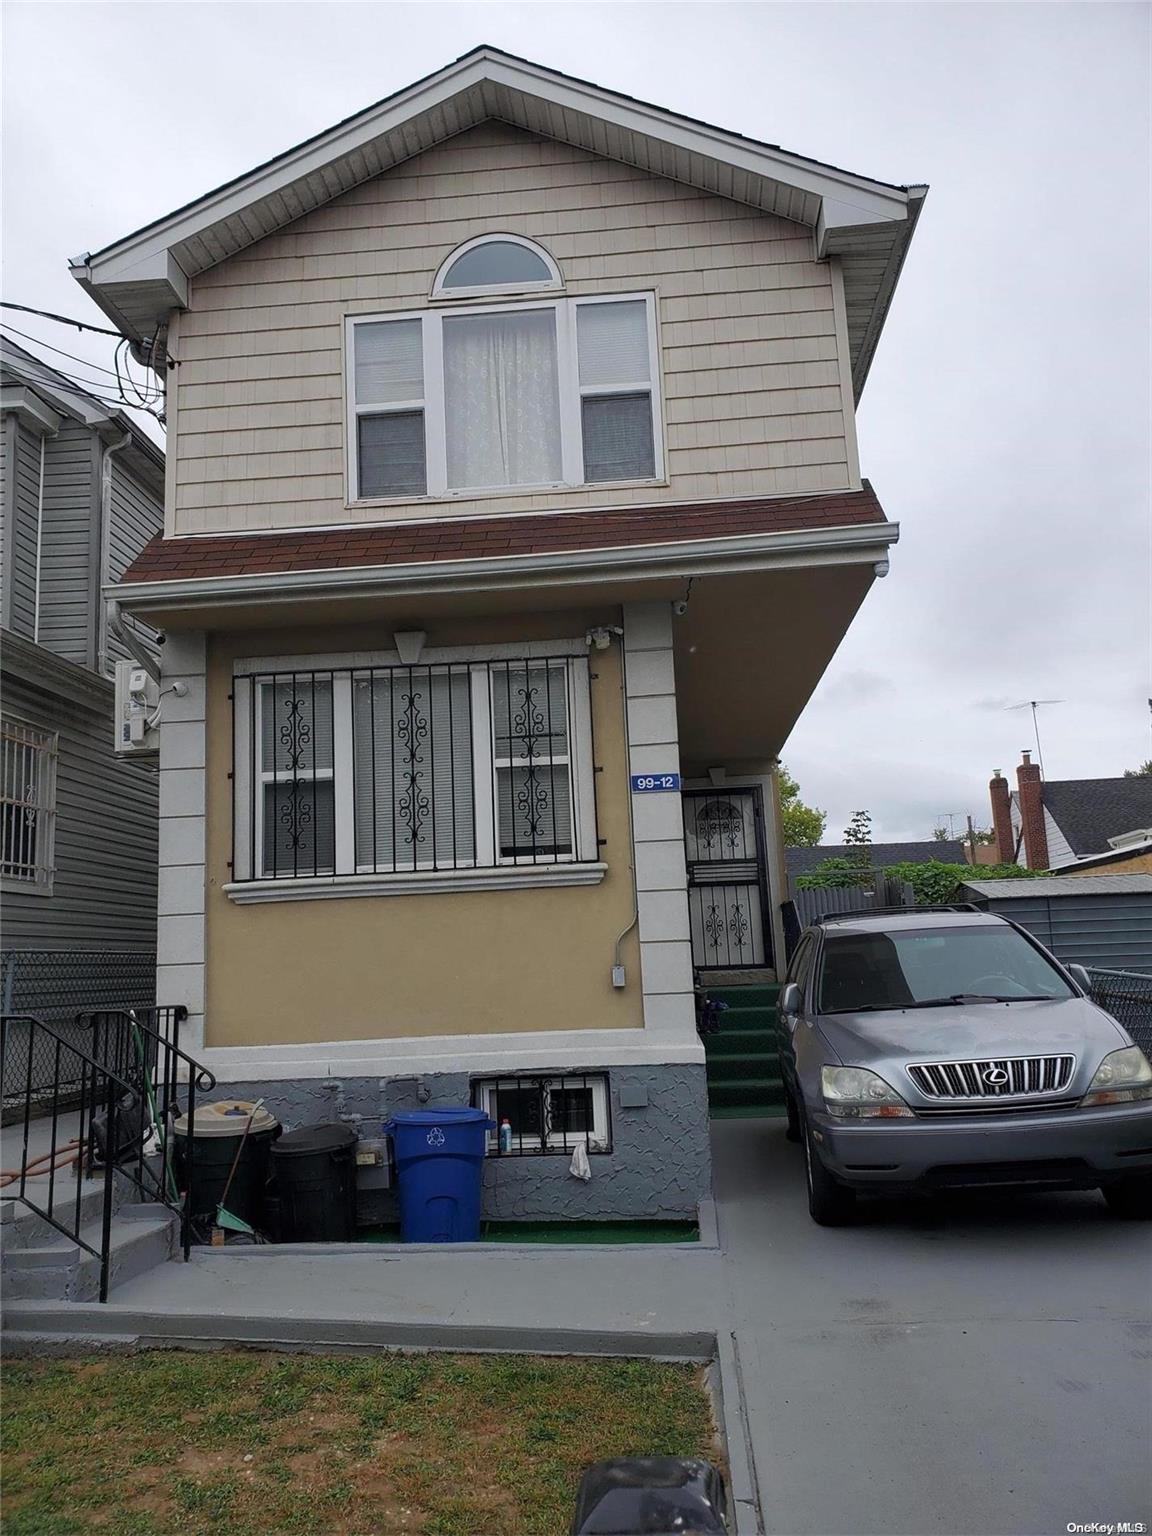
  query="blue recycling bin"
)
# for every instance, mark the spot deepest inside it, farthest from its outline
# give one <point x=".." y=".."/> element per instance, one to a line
<point x="439" y="1161"/>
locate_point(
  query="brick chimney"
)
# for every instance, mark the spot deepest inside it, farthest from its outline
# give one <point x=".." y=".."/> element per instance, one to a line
<point x="1002" y="817"/>
<point x="1030" y="788"/>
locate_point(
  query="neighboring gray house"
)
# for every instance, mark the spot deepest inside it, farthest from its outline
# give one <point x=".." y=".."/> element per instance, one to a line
<point x="81" y="493"/>
<point x="1058" y="823"/>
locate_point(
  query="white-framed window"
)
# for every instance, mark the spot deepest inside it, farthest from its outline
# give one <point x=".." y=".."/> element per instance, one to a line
<point x="501" y="397"/>
<point x="493" y="264"/>
<point x="27" y="806"/>
<point x="536" y="1115"/>
<point x="384" y="768"/>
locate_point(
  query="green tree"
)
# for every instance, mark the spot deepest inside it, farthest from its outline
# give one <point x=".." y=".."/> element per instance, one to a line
<point x="802" y="826"/>
<point x="1143" y="772"/>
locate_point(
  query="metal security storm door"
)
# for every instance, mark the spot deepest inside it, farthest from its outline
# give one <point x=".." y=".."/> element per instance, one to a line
<point x="727" y="889"/>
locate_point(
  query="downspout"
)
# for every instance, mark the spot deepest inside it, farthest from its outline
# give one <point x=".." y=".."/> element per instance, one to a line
<point x="115" y="625"/>
<point x="104" y="618"/>
<point x="39" y="546"/>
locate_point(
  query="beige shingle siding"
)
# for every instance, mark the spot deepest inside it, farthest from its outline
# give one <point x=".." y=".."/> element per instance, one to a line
<point x="752" y="380"/>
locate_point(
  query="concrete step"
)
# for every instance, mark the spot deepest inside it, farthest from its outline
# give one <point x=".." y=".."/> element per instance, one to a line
<point x="62" y="1270"/>
<point x="21" y="1226"/>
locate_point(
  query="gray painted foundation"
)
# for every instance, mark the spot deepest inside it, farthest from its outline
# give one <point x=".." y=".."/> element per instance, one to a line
<point x="659" y="1167"/>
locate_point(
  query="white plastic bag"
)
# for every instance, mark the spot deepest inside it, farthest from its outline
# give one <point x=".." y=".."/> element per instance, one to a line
<point x="579" y="1167"/>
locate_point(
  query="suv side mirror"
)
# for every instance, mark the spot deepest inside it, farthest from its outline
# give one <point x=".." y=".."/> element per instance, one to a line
<point x="790" y="999"/>
<point x="1080" y="976"/>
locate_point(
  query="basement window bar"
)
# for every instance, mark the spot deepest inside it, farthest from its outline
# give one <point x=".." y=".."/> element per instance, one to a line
<point x="402" y="769"/>
<point x="27" y="806"/>
<point x="536" y="1116"/>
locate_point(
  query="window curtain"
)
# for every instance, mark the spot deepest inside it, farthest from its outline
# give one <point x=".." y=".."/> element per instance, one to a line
<point x="502" y="399"/>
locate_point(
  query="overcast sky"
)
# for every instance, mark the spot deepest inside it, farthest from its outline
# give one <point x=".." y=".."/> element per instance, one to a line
<point x="1005" y="424"/>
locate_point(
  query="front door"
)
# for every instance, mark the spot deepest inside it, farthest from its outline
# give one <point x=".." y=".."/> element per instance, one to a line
<point x="727" y="888"/>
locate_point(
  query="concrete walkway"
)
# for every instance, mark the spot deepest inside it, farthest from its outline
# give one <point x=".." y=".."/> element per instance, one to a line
<point x="981" y="1370"/>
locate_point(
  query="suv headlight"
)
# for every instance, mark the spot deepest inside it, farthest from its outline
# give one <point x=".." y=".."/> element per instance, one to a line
<point x="854" y="1093"/>
<point x="1121" y="1078"/>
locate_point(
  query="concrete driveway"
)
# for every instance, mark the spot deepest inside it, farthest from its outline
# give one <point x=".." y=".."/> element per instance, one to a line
<point x="975" y="1369"/>
<point x="980" y="1367"/>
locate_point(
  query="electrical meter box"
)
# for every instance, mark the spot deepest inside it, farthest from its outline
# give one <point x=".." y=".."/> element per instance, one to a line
<point x="137" y="711"/>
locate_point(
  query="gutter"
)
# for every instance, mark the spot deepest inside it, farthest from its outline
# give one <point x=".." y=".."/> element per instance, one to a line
<point x="860" y="544"/>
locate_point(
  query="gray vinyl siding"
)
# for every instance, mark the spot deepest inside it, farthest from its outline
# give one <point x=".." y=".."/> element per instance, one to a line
<point x="24" y="513"/>
<point x="104" y="885"/>
<point x="135" y="516"/>
<point x="68" y="561"/>
<point x="1111" y="931"/>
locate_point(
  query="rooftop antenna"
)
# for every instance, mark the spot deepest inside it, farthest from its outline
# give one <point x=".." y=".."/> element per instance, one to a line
<point x="1034" y="705"/>
<point x="950" y="818"/>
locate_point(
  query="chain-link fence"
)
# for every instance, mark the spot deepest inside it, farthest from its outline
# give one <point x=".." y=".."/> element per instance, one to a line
<point x="55" y="986"/>
<point x="1127" y="995"/>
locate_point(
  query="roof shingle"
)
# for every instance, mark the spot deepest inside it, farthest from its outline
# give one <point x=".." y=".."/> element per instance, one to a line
<point x="201" y="557"/>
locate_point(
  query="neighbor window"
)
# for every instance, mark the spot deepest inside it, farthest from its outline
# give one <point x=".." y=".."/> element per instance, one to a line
<point x="400" y="769"/>
<point x="548" y="393"/>
<point x="545" y="1114"/>
<point x="27" y="806"/>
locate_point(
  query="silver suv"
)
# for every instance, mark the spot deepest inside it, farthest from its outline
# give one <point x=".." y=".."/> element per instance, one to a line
<point x="944" y="1048"/>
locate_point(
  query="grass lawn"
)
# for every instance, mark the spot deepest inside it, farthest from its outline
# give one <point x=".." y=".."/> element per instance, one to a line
<point x="252" y="1443"/>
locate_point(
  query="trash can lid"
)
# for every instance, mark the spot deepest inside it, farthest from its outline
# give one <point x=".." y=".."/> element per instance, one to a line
<point x="332" y="1137"/>
<point x="457" y="1114"/>
<point x="226" y="1117"/>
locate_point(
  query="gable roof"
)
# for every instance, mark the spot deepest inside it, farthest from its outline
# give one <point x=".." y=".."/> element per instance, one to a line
<point x="802" y="861"/>
<point x="1090" y="811"/>
<point x="866" y="223"/>
<point x="23" y="372"/>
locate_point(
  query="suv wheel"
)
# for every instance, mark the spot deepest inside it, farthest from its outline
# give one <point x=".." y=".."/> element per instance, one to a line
<point x="829" y="1203"/>
<point x="792" y="1130"/>
<point x="1131" y="1200"/>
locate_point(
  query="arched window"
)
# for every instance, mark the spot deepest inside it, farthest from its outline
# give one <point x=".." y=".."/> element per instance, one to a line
<point x="496" y="264"/>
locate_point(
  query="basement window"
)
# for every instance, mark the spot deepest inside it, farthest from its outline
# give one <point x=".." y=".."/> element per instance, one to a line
<point x="546" y="1114"/>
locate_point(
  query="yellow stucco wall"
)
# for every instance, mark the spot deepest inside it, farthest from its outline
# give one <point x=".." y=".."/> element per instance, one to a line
<point x="418" y="965"/>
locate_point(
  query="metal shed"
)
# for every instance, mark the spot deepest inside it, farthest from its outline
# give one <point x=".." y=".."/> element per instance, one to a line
<point x="1103" y="921"/>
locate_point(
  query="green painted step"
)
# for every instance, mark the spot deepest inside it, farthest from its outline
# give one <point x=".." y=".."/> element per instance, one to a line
<point x="735" y="1069"/>
<point x="745" y="997"/>
<point x="743" y="1065"/>
<point x="746" y="1112"/>
<point x="763" y="1091"/>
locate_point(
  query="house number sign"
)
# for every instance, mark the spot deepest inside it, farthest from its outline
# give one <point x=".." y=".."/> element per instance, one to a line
<point x="654" y="783"/>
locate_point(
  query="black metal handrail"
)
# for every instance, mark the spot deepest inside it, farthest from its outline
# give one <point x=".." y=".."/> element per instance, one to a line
<point x="129" y="1082"/>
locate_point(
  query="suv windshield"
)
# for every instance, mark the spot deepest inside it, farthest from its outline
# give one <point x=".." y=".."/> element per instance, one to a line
<point x="929" y="967"/>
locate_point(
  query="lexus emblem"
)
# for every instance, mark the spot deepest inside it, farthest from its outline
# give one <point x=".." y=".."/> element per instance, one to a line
<point x="995" y="1077"/>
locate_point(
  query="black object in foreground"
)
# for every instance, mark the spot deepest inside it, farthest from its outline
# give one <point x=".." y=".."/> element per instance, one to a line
<point x="650" y="1496"/>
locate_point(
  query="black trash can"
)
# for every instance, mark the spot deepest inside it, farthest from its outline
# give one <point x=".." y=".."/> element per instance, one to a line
<point x="219" y="1134"/>
<point x="314" y="1183"/>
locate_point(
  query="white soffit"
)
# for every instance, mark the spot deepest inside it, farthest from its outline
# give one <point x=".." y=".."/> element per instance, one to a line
<point x="866" y="223"/>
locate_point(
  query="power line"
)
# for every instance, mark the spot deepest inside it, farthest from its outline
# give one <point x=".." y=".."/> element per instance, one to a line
<point x="46" y="314"/>
<point x="84" y="389"/>
<point x="24" y="336"/>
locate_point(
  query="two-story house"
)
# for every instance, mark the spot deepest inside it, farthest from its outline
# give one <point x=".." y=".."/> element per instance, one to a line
<point x="81" y="494"/>
<point x="513" y="513"/>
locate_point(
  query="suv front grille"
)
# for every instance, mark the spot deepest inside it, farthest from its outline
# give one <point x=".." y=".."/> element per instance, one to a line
<point x="1000" y="1077"/>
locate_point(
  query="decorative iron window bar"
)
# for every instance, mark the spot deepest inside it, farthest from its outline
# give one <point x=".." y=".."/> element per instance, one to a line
<point x="401" y="769"/>
<point x="546" y="1116"/>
